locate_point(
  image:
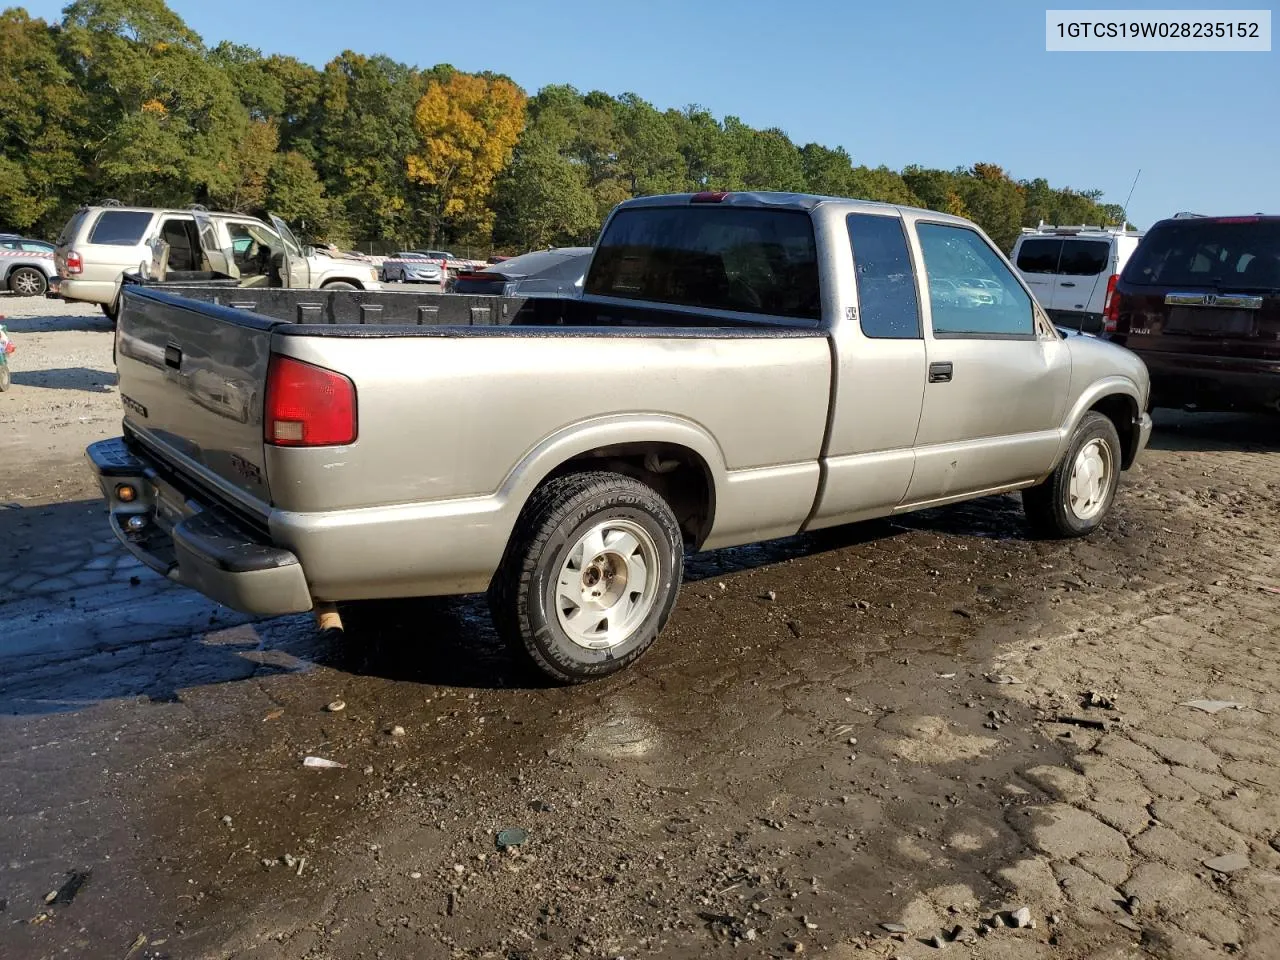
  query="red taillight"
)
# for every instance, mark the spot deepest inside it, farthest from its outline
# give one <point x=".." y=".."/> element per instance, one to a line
<point x="1111" y="311"/>
<point x="709" y="196"/>
<point x="307" y="406"/>
<point x="74" y="262"/>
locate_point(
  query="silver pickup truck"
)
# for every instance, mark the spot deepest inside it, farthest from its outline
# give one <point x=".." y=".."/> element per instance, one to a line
<point x="739" y="367"/>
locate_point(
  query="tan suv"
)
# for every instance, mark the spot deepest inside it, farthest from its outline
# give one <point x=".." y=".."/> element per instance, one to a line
<point x="99" y="244"/>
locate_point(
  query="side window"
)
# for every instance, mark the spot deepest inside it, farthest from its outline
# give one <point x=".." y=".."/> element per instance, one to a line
<point x="1084" y="258"/>
<point x="887" y="304"/>
<point x="971" y="293"/>
<point x="121" y="228"/>
<point x="35" y="246"/>
<point x="1039" y="256"/>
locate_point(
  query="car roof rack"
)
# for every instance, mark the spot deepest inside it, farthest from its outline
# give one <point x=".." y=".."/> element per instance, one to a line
<point x="200" y="207"/>
<point x="1070" y="230"/>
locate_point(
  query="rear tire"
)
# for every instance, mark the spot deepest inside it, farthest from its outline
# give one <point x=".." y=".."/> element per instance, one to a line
<point x="28" y="282"/>
<point x="1077" y="496"/>
<point x="590" y="575"/>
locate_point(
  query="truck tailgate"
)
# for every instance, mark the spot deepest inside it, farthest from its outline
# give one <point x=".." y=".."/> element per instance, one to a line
<point x="192" y="378"/>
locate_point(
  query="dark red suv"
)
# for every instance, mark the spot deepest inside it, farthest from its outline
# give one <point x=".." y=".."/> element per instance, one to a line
<point x="1199" y="301"/>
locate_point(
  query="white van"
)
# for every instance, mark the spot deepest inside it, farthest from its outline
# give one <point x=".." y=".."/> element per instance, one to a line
<point x="1071" y="270"/>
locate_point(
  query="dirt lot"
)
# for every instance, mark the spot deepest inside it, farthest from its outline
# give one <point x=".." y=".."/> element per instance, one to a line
<point x="818" y="746"/>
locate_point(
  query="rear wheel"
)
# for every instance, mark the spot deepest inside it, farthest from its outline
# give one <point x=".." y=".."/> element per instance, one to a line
<point x="1077" y="496"/>
<point x="590" y="576"/>
<point x="28" y="282"/>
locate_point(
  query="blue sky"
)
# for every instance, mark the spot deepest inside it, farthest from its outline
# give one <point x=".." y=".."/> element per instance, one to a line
<point x="936" y="83"/>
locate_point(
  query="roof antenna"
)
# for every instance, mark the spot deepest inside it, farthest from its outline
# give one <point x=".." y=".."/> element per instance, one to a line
<point x="1125" y="209"/>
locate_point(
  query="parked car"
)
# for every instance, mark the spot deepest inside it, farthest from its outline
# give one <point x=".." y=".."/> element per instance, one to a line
<point x="26" y="265"/>
<point x="738" y="367"/>
<point x="559" y="271"/>
<point x="1199" y="301"/>
<point x="99" y="244"/>
<point x="410" y="266"/>
<point x="1070" y="269"/>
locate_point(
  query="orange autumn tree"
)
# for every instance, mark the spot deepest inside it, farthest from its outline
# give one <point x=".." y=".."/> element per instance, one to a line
<point x="468" y="126"/>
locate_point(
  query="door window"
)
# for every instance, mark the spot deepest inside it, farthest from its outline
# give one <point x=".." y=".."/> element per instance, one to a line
<point x="252" y="247"/>
<point x="887" y="304"/>
<point x="971" y="292"/>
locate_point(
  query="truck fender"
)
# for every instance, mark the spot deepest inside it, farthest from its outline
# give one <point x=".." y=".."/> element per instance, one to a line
<point x="1105" y="387"/>
<point x="580" y="438"/>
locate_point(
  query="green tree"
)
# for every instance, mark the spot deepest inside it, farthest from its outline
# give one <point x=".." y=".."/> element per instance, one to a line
<point x="296" y="194"/>
<point x="542" y="199"/>
<point x="164" y="121"/>
<point x="883" y="185"/>
<point x="41" y="122"/>
<point x="827" y="172"/>
<point x="364" y="134"/>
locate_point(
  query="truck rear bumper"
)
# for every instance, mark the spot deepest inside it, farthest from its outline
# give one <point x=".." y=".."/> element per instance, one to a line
<point x="198" y="546"/>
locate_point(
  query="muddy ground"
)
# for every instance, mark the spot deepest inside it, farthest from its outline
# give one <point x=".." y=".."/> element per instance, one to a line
<point x="815" y="747"/>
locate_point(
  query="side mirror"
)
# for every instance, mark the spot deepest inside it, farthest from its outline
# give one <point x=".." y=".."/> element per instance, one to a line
<point x="308" y="251"/>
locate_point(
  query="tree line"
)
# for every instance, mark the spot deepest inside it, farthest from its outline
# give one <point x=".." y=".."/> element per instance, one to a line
<point x="121" y="99"/>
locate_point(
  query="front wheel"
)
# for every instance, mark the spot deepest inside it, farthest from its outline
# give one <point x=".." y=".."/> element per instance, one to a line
<point x="1077" y="496"/>
<point x="340" y="285"/>
<point x="590" y="575"/>
<point x="28" y="282"/>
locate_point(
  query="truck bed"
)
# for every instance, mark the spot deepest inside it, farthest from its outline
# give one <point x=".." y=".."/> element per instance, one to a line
<point x="383" y="309"/>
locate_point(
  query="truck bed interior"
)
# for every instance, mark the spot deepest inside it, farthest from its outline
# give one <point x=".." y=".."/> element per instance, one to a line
<point x="364" y="313"/>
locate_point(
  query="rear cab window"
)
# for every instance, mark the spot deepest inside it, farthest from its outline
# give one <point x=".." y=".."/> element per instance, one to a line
<point x="121" y="228"/>
<point x="1224" y="253"/>
<point x="972" y="294"/>
<point x="740" y="259"/>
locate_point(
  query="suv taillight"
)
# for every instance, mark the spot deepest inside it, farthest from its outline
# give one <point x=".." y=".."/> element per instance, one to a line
<point x="74" y="263"/>
<point x="1111" y="311"/>
<point x="307" y="406"/>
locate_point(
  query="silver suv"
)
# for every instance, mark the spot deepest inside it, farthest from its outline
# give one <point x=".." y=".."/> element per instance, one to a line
<point x="100" y="244"/>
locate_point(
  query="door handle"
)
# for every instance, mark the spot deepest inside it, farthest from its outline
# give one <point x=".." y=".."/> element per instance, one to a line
<point x="173" y="356"/>
<point x="939" y="373"/>
<point x="1067" y="283"/>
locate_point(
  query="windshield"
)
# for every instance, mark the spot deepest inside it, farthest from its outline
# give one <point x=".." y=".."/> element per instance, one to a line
<point x="1219" y="253"/>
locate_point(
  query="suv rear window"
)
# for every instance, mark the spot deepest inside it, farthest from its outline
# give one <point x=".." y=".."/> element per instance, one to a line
<point x="72" y="228"/>
<point x="1208" y="252"/>
<point x="122" y="228"/>
<point x="741" y="259"/>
